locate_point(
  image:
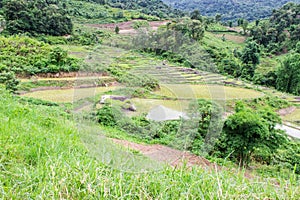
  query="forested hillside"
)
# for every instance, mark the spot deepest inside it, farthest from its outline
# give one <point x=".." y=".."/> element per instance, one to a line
<point x="282" y="31"/>
<point x="37" y="17"/>
<point x="150" y="7"/>
<point x="231" y="9"/>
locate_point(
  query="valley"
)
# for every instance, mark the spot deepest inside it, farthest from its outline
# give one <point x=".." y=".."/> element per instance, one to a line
<point x="140" y="100"/>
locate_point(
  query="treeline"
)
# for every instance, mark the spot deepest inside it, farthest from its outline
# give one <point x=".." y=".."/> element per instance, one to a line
<point x="149" y="7"/>
<point x="87" y="12"/>
<point x="36" y="17"/>
<point x="231" y="10"/>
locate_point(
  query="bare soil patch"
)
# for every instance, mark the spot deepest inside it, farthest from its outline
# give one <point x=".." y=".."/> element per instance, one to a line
<point x="286" y="111"/>
<point x="167" y="155"/>
<point x="127" y="27"/>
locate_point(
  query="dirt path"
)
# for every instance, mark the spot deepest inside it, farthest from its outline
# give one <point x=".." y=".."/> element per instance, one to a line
<point x="167" y="155"/>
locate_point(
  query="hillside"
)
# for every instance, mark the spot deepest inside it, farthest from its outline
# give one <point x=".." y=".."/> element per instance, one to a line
<point x="231" y="9"/>
<point x="129" y="100"/>
<point x="44" y="155"/>
<point x="153" y="7"/>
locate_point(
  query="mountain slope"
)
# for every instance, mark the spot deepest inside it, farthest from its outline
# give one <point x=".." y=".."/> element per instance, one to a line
<point x="231" y="9"/>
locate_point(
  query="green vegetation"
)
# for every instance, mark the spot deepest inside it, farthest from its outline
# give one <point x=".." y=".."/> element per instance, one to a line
<point x="131" y="80"/>
<point x="288" y="75"/>
<point x="56" y="138"/>
<point x="281" y="32"/>
<point x="231" y="10"/>
<point x="93" y="12"/>
<point x="26" y="56"/>
<point x="45" y="152"/>
<point x="9" y="80"/>
<point x="246" y="131"/>
<point x="153" y="7"/>
<point x="36" y="17"/>
<point x="27" y="84"/>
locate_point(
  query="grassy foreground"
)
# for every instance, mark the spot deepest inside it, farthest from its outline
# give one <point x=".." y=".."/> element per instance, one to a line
<point x="43" y="155"/>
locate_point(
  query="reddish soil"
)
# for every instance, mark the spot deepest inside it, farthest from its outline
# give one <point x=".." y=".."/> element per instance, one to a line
<point x="286" y="111"/>
<point x="167" y="155"/>
<point x="175" y="158"/>
<point x="126" y="27"/>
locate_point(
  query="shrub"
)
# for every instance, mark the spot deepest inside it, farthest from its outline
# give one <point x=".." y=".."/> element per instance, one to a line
<point x="9" y="80"/>
<point x="108" y="115"/>
<point x="26" y="56"/>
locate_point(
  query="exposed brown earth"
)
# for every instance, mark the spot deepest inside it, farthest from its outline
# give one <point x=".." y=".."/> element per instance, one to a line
<point x="166" y="155"/>
<point x="127" y="27"/>
<point x="286" y="111"/>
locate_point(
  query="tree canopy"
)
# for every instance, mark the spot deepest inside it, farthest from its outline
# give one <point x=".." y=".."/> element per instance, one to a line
<point x="281" y="31"/>
<point x="231" y="10"/>
<point x="36" y="17"/>
<point x="289" y="74"/>
<point x="247" y="130"/>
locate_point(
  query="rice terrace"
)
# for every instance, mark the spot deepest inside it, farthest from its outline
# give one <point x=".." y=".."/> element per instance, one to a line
<point x="149" y="99"/>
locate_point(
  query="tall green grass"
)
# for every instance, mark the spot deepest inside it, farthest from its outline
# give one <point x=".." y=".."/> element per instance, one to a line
<point x="43" y="155"/>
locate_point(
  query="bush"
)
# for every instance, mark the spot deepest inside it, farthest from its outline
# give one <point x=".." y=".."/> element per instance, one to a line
<point x="9" y="80"/>
<point x="26" y="56"/>
<point x="108" y="115"/>
<point x="288" y="157"/>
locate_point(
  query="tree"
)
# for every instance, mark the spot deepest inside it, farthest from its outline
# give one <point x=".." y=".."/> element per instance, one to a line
<point x="257" y="22"/>
<point x="204" y="125"/>
<point x="240" y="22"/>
<point x="117" y="30"/>
<point x="245" y="26"/>
<point x="297" y="47"/>
<point x="288" y="75"/>
<point x="192" y="28"/>
<point x="196" y="15"/>
<point x="250" y="57"/>
<point x="247" y="130"/>
<point x="218" y="18"/>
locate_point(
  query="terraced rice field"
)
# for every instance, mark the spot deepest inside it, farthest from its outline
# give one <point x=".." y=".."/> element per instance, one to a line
<point x="184" y="91"/>
<point x="181" y="75"/>
<point x="293" y="117"/>
<point x="68" y="95"/>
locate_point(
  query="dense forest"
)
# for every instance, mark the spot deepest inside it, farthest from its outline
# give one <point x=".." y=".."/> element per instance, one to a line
<point x="37" y="17"/>
<point x="281" y="32"/>
<point x="150" y="7"/>
<point x="229" y="9"/>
